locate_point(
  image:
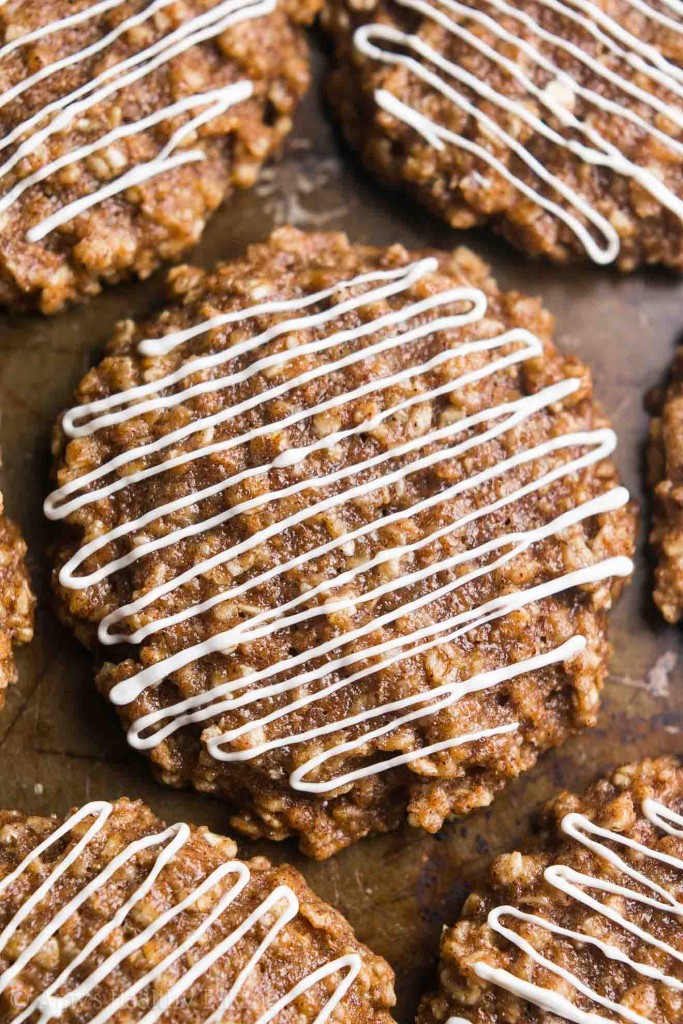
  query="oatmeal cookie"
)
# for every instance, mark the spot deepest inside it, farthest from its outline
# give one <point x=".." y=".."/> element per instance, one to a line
<point x="124" y="124"/>
<point x="342" y="525"/>
<point x="666" y="481"/>
<point x="110" y="915"/>
<point x="558" y="123"/>
<point x="16" y="600"/>
<point x="584" y="925"/>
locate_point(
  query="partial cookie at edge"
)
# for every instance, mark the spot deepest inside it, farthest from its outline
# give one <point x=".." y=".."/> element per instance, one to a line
<point x="177" y="927"/>
<point x="487" y="978"/>
<point x="666" y="481"/>
<point x="16" y="600"/>
<point x="144" y="217"/>
<point x="462" y="104"/>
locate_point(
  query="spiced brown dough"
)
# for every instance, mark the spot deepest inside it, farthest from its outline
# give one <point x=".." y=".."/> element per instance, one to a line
<point x="666" y="480"/>
<point x="615" y="804"/>
<point x="16" y="600"/>
<point x="149" y="925"/>
<point x="550" y="704"/>
<point x="460" y="185"/>
<point x="156" y="220"/>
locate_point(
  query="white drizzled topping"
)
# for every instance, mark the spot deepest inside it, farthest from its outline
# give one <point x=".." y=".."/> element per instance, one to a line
<point x="656" y="901"/>
<point x="308" y="678"/>
<point x="471" y="95"/>
<point x="27" y="139"/>
<point x="72" y="985"/>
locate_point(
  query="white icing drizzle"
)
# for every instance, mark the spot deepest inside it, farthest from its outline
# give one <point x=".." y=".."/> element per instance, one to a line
<point x="309" y="677"/>
<point x="64" y="993"/>
<point x="647" y="893"/>
<point x="471" y="95"/>
<point x="26" y="140"/>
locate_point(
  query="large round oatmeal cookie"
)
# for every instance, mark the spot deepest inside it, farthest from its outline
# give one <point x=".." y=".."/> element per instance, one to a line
<point x="125" y="123"/>
<point x="558" y="122"/>
<point x="342" y="525"/>
<point x="585" y="925"/>
<point x="16" y="600"/>
<point x="109" y="915"/>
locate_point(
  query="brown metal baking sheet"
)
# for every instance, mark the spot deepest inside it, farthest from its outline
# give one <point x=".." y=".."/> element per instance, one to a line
<point x="61" y="745"/>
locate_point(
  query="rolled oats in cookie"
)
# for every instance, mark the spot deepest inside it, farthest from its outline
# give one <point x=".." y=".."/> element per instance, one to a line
<point x="16" y="600"/>
<point x="342" y="528"/>
<point x="123" y="126"/>
<point x="585" y="924"/>
<point x="558" y="122"/>
<point x="666" y="480"/>
<point x="110" y="915"/>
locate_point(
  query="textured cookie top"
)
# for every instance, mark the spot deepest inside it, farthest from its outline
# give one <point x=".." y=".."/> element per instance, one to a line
<point x="584" y="927"/>
<point x="16" y="600"/>
<point x="123" y="125"/>
<point x="666" y="478"/>
<point x="351" y="520"/>
<point x="108" y="915"/>
<point x="558" y="122"/>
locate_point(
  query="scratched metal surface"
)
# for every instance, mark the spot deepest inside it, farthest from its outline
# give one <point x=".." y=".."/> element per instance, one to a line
<point x="61" y="745"/>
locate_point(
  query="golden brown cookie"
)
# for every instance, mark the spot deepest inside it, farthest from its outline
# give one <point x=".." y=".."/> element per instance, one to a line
<point x="585" y="926"/>
<point x="558" y="123"/>
<point x="666" y="480"/>
<point x="342" y="524"/>
<point x="16" y="600"/>
<point x="109" y="915"/>
<point x="124" y="124"/>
